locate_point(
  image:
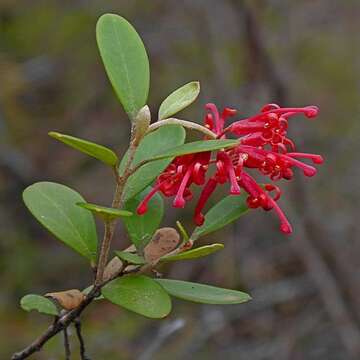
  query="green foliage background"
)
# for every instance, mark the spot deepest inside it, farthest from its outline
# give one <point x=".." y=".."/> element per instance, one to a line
<point x="51" y="78"/>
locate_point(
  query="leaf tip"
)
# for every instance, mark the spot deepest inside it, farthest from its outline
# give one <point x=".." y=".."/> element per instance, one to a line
<point x="54" y="134"/>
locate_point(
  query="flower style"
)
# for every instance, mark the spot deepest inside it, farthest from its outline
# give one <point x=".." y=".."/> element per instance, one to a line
<point x="263" y="145"/>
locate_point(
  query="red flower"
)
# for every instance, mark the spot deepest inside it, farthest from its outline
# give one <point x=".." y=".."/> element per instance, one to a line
<point x="177" y="178"/>
<point x="264" y="146"/>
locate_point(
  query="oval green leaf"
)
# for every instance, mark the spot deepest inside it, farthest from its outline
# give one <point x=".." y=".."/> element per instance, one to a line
<point x="142" y="227"/>
<point x="106" y="213"/>
<point x="130" y="258"/>
<point x="223" y="213"/>
<point x="202" y="293"/>
<point x="154" y="143"/>
<point x="125" y="60"/>
<point x="38" y="303"/>
<point x="54" y="206"/>
<point x="99" y="152"/>
<point x="139" y="294"/>
<point x="194" y="253"/>
<point x="179" y="99"/>
<point x="196" y="147"/>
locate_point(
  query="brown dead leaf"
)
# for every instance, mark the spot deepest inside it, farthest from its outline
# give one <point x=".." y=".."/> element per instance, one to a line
<point x="69" y="299"/>
<point x="112" y="268"/>
<point x="164" y="241"/>
<point x="115" y="265"/>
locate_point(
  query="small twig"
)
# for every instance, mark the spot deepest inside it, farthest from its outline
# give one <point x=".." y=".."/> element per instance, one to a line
<point x="77" y="324"/>
<point x="66" y="344"/>
<point x="184" y="123"/>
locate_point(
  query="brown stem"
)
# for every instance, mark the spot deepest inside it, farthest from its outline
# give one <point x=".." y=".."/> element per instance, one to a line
<point x="118" y="202"/>
<point x="104" y="251"/>
<point x="77" y="324"/>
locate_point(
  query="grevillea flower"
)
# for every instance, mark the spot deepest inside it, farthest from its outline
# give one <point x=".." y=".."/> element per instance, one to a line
<point x="263" y="146"/>
<point x="177" y="178"/>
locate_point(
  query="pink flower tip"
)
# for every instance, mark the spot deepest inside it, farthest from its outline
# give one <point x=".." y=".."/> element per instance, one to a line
<point x="318" y="159"/>
<point x="309" y="171"/>
<point x="179" y="202"/>
<point x="286" y="228"/>
<point x="141" y="209"/>
<point x="228" y="112"/>
<point x="311" y="111"/>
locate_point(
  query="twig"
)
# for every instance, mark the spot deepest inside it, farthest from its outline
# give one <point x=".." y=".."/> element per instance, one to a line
<point x="77" y="324"/>
<point x="185" y="123"/>
<point x="66" y="345"/>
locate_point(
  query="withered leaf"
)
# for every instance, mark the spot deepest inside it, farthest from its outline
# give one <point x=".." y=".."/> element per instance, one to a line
<point x="112" y="268"/>
<point x="115" y="265"/>
<point x="69" y="299"/>
<point x="164" y="241"/>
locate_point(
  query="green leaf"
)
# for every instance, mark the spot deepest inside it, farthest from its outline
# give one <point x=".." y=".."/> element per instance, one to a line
<point x="54" y="206"/>
<point x="196" y="147"/>
<point x="106" y="213"/>
<point x="142" y="227"/>
<point x="194" y="253"/>
<point x="223" y="213"/>
<point x="125" y="60"/>
<point x="154" y="143"/>
<point x="38" y="303"/>
<point x="130" y="258"/>
<point x="139" y="294"/>
<point x="202" y="293"/>
<point x="179" y="99"/>
<point x="99" y="152"/>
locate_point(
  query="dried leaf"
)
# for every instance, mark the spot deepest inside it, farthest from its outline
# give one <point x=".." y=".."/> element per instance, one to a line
<point x="164" y="241"/>
<point x="69" y="299"/>
<point x="115" y="265"/>
<point x="112" y="268"/>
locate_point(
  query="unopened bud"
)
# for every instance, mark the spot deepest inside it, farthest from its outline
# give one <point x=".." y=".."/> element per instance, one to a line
<point x="141" y="124"/>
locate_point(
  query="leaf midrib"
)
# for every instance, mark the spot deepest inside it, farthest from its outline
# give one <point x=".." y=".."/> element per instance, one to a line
<point x="125" y="67"/>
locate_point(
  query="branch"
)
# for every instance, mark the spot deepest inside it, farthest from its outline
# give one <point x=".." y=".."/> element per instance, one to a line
<point x="77" y="324"/>
<point x="118" y="202"/>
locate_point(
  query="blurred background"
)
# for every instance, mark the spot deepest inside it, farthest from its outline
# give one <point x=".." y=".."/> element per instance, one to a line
<point x="305" y="288"/>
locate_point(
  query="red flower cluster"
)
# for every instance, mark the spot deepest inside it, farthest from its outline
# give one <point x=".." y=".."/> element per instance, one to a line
<point x="264" y="146"/>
